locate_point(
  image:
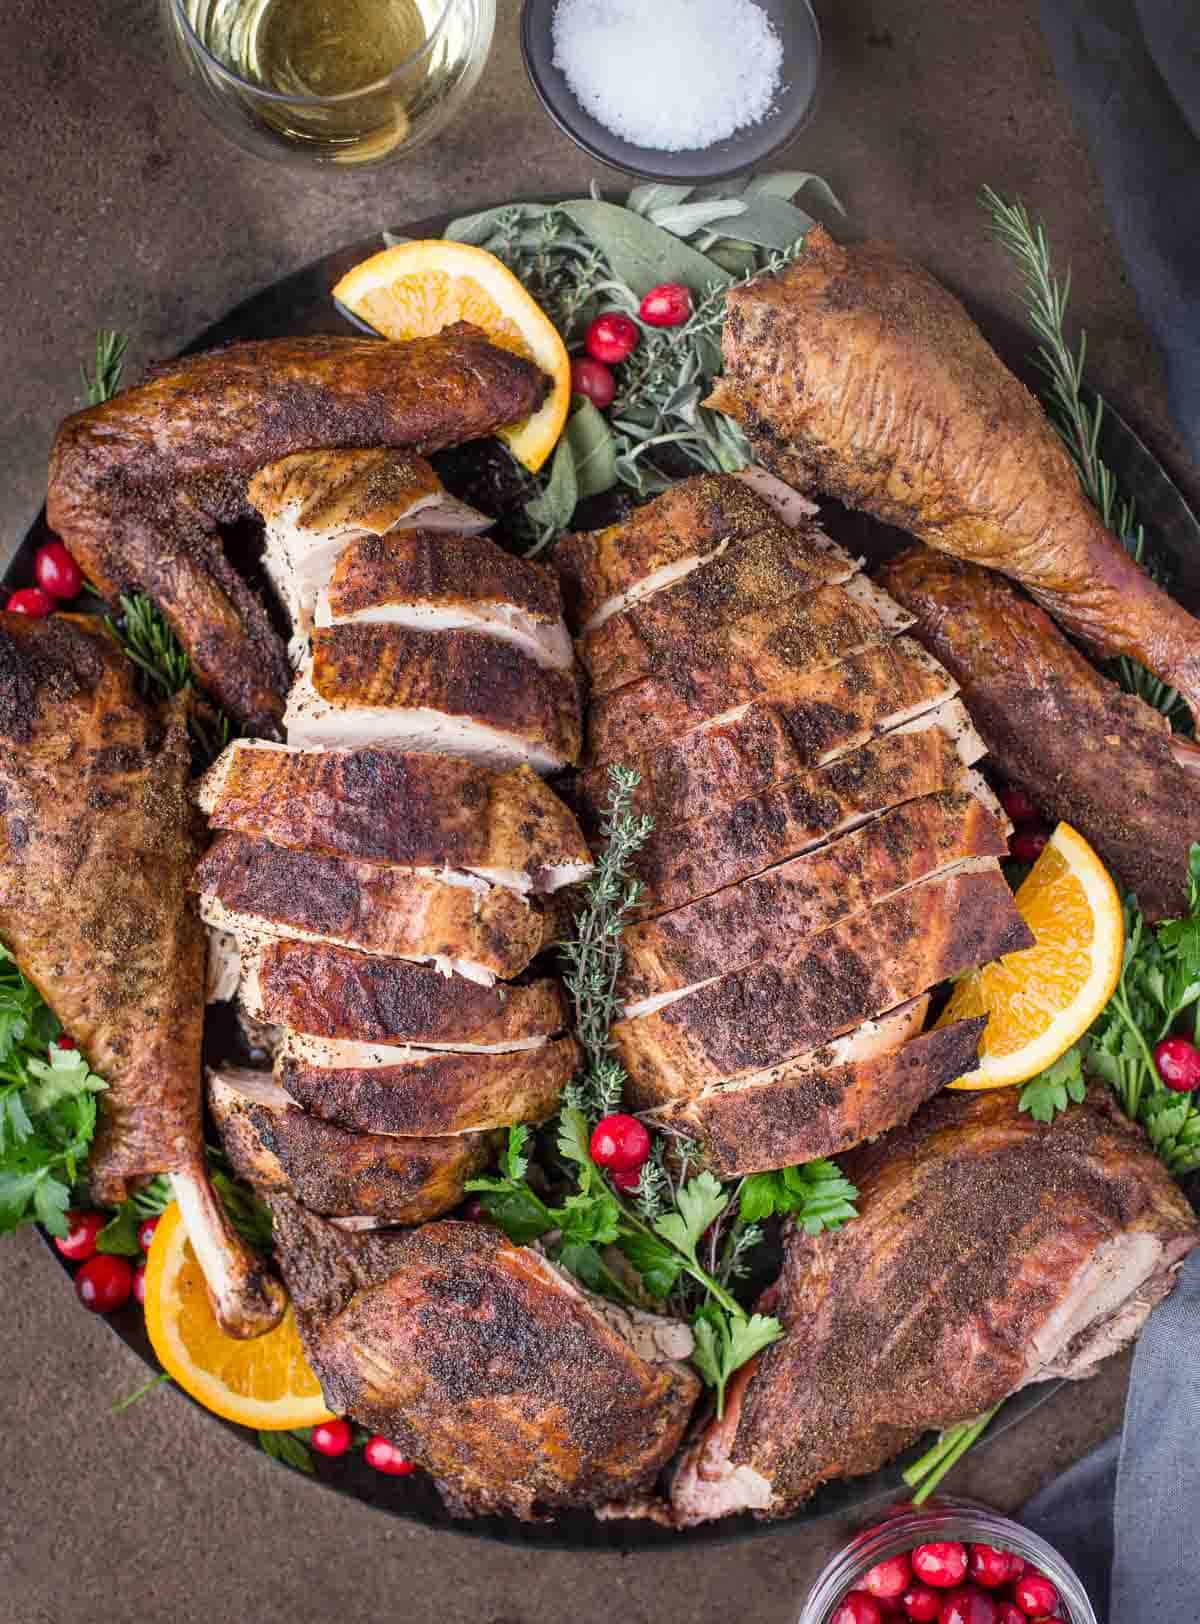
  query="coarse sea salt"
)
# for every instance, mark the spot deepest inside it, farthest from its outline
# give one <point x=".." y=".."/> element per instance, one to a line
<point x="677" y="75"/>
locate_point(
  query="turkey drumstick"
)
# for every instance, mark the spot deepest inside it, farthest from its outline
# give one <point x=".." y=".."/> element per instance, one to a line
<point x="97" y="842"/>
<point x="854" y="372"/>
<point x="139" y="484"/>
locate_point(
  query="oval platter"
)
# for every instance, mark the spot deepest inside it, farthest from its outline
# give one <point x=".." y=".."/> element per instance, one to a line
<point x="300" y="304"/>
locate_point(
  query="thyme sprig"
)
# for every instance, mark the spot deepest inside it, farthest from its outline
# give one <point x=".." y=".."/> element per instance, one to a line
<point x="1077" y="418"/>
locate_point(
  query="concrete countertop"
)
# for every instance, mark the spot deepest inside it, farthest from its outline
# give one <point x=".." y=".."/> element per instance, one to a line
<point x="123" y="208"/>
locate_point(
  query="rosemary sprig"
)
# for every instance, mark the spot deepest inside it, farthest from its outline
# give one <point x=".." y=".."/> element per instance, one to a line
<point x="924" y="1475"/>
<point x="147" y="638"/>
<point x="104" y="382"/>
<point x="1077" y="419"/>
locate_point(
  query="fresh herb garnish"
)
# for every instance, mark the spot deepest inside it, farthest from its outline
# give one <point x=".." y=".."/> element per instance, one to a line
<point x="289" y="1447"/>
<point x="816" y="1194"/>
<point x="104" y="382"/>
<point x="47" y="1108"/>
<point x="145" y="634"/>
<point x="924" y="1475"/>
<point x="1052" y="1090"/>
<point x="120" y="1234"/>
<point x="1076" y="419"/>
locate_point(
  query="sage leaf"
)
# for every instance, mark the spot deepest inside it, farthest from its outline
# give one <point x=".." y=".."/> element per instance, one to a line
<point x="593" y="449"/>
<point x="786" y="183"/>
<point x="553" y="507"/>
<point x="656" y="195"/>
<point x="770" y="222"/>
<point x="685" y="218"/>
<point x="478" y="228"/>
<point x="641" y="253"/>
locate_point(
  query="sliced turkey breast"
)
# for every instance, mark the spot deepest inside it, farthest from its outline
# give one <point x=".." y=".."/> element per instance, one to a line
<point x="682" y="862"/>
<point x="330" y="992"/>
<point x="772" y="912"/>
<point x="277" y="1147"/>
<point x="757" y="1017"/>
<point x="819" y="1107"/>
<point x="605" y="571"/>
<point x="436" y="582"/>
<point x="456" y="692"/>
<point x="251" y="889"/>
<point x="412" y="810"/>
<point x="747" y="748"/>
<point x="385" y="1088"/>
<point x="315" y="502"/>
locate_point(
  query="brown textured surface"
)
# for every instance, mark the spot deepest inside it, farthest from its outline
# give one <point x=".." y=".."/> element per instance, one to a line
<point x="435" y="1093"/>
<point x="333" y="993"/>
<point x="381" y="910"/>
<point x="482" y="1364"/>
<point x="360" y="489"/>
<point x="820" y="1111"/>
<point x="795" y="1002"/>
<point x="973" y="1221"/>
<point x="466" y="674"/>
<point x="431" y="567"/>
<point x="1082" y="749"/>
<point x="385" y="806"/>
<point x="856" y="373"/>
<point x="113" y="172"/>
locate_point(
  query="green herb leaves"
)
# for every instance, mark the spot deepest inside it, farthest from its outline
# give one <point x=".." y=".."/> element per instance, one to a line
<point x="105" y="380"/>
<point x="640" y="253"/>
<point x="289" y="1447"/>
<point x="699" y="1203"/>
<point x="47" y="1108"/>
<point x="1052" y="1090"/>
<point x="725" y="1342"/>
<point x="816" y="1194"/>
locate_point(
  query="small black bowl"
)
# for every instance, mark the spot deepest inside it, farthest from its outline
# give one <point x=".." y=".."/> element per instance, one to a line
<point x="749" y="148"/>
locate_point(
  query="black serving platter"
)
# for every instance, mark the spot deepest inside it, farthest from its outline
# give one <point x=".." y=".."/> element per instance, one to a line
<point x="301" y="304"/>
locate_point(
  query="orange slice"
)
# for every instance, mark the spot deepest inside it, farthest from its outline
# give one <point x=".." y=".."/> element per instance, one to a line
<point x="417" y="288"/>
<point x="1041" y="1000"/>
<point x="265" y="1382"/>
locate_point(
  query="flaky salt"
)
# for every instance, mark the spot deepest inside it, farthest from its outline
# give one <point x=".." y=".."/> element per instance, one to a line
<point x="672" y="74"/>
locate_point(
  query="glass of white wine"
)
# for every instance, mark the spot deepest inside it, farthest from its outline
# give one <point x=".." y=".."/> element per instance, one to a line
<point x="337" y="81"/>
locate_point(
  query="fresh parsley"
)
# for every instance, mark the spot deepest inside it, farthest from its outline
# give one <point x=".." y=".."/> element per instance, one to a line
<point x="724" y="1342"/>
<point x="1052" y="1090"/>
<point x="47" y="1108"/>
<point x="816" y="1194"/>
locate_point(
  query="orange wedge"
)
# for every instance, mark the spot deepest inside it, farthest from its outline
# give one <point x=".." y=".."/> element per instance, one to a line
<point x="1041" y="1000"/>
<point x="417" y="288"/>
<point x="265" y="1383"/>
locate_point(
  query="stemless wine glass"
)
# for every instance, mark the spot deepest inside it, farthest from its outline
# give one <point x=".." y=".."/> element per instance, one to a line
<point x="336" y="81"/>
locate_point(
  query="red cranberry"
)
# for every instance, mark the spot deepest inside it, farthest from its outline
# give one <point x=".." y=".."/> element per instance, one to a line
<point x="31" y="601"/>
<point x="1016" y="1566"/>
<point x="620" y="1142"/>
<point x="1018" y="805"/>
<point x="1035" y="1595"/>
<point x="56" y="572"/>
<point x="593" y="379"/>
<point x="889" y="1578"/>
<point x="612" y="337"/>
<point x="139" y="1283"/>
<point x="333" y="1437"/>
<point x="104" y="1283"/>
<point x="146" y="1232"/>
<point x="1178" y="1063"/>
<point x="856" y="1607"/>
<point x="921" y="1604"/>
<point x="989" y="1567"/>
<point x="383" y="1455"/>
<point x="970" y="1605"/>
<point x="667" y="305"/>
<point x="628" y="1181"/>
<point x="62" y="1041"/>
<point x="943" y="1563"/>
<point x="1007" y="1612"/>
<point x="1027" y="845"/>
<point x="79" y="1243"/>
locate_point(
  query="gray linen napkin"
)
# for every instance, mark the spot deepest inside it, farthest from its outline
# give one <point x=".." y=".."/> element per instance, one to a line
<point x="1127" y="1517"/>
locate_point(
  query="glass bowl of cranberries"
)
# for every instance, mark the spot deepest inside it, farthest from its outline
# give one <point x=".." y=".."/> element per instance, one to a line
<point x="948" y="1562"/>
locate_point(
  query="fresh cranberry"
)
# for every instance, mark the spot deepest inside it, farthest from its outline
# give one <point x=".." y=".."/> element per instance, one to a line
<point x="31" y="601"/>
<point x="620" y="1142"/>
<point x="56" y="572"/>
<point x="612" y="337"/>
<point x="921" y="1604"/>
<point x="1027" y="845"/>
<point x="146" y="1232"/>
<point x="970" y="1605"/>
<point x="1016" y="1566"/>
<point x="942" y="1563"/>
<point x="627" y="1181"/>
<point x="79" y="1243"/>
<point x="104" y="1283"/>
<point x="62" y="1041"/>
<point x="1035" y="1595"/>
<point x="593" y="379"/>
<point x="889" y="1578"/>
<point x="1018" y="805"/>
<point x="856" y="1607"/>
<point x="139" y="1283"/>
<point x="1007" y="1612"/>
<point x="989" y="1567"/>
<point x="333" y="1437"/>
<point x="383" y="1455"/>
<point x="667" y="305"/>
<point x="1178" y="1063"/>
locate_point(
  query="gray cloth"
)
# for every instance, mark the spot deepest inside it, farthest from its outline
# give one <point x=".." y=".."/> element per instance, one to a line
<point x="1132" y="71"/>
<point x="1127" y="1517"/>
